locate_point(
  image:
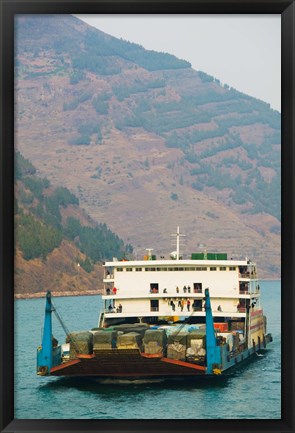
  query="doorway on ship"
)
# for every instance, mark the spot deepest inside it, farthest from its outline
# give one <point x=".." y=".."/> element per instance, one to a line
<point x="154" y="305"/>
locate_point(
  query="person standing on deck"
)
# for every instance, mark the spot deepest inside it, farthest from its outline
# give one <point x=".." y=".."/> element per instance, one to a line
<point x="188" y="304"/>
<point x="182" y="304"/>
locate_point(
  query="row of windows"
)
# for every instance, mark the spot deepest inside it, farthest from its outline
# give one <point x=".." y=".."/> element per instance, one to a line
<point x="198" y="268"/>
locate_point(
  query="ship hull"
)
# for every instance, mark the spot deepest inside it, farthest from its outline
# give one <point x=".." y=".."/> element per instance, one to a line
<point x="132" y="364"/>
<point x="125" y="363"/>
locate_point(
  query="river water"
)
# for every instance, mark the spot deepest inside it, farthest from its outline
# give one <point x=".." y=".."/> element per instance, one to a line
<point x="252" y="392"/>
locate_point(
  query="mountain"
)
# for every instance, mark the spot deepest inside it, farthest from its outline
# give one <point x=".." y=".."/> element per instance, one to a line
<point x="58" y="246"/>
<point x="147" y="143"/>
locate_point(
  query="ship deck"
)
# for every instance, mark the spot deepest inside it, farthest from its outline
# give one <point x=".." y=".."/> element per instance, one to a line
<point x="126" y="363"/>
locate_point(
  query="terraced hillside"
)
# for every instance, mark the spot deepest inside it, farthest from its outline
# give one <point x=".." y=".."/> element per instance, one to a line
<point x="147" y="143"/>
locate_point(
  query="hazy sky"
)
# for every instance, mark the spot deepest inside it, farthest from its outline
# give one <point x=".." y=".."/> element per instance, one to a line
<point x="243" y="51"/>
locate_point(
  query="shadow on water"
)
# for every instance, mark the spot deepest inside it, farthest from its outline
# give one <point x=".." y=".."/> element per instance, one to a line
<point x="111" y="386"/>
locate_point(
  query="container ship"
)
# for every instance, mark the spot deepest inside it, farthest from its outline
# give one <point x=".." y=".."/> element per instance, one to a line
<point x="164" y="318"/>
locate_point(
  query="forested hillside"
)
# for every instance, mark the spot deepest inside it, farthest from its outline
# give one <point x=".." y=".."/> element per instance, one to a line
<point x="49" y="219"/>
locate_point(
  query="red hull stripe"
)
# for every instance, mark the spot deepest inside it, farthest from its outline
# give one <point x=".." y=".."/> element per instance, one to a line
<point x="66" y="364"/>
<point x="183" y="364"/>
<point x="258" y="326"/>
<point x="148" y="355"/>
<point x="256" y="313"/>
<point x="86" y="356"/>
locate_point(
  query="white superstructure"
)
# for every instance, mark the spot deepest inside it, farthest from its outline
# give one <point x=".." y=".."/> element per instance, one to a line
<point x="165" y="318"/>
<point x="151" y="289"/>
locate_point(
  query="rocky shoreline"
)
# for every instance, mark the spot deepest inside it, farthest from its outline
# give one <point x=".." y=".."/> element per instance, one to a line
<point x="56" y="294"/>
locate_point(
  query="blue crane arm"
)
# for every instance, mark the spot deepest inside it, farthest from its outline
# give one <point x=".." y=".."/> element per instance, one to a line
<point x="45" y="351"/>
<point x="212" y="350"/>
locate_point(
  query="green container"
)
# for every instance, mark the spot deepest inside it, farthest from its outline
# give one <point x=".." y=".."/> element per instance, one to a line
<point x="197" y="256"/>
<point x="217" y="256"/>
<point x="209" y="256"/>
<point x="221" y="256"/>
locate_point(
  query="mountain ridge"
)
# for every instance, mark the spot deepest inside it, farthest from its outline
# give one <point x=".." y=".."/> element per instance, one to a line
<point x="152" y="147"/>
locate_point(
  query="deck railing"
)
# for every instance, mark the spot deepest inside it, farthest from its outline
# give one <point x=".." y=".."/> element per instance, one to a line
<point x="248" y="275"/>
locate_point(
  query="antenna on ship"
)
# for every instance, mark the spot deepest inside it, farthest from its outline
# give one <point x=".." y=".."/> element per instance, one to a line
<point x="177" y="242"/>
<point x="149" y="253"/>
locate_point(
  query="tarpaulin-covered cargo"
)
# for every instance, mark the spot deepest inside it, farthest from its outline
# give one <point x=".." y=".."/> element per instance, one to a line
<point x="80" y="335"/>
<point x="81" y="343"/>
<point x="196" y="348"/>
<point x="104" y="340"/>
<point x="130" y="326"/>
<point x="158" y="335"/>
<point x="140" y="331"/>
<point x="131" y="340"/>
<point x="192" y="336"/>
<point x="176" y="351"/>
<point x="174" y="329"/>
<point x="154" y="348"/>
<point x="178" y="337"/>
<point x="155" y="341"/>
<point x="177" y="345"/>
<point x="140" y="328"/>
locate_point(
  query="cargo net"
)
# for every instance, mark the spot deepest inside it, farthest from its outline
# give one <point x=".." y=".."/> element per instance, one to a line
<point x="104" y="339"/>
<point x="131" y="340"/>
<point x="81" y="343"/>
<point x="181" y="342"/>
<point x="155" y="341"/>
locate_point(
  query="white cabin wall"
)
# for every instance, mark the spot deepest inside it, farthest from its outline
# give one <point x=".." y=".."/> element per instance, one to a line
<point x="138" y="283"/>
<point x="137" y="307"/>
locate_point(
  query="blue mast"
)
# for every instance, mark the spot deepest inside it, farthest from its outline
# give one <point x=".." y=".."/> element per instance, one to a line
<point x="212" y="350"/>
<point x="44" y="352"/>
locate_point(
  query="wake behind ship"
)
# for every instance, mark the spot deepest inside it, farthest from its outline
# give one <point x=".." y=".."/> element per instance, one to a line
<point x="164" y="318"/>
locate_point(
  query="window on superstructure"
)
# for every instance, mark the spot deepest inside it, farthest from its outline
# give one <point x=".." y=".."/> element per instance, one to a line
<point x="119" y="269"/>
<point x="154" y="305"/>
<point x="197" y="305"/>
<point x="222" y="268"/>
<point x="129" y="269"/>
<point x="197" y="287"/>
<point x="201" y="268"/>
<point x="213" y="268"/>
<point x="154" y="288"/>
<point x="232" y="268"/>
<point x="138" y="269"/>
